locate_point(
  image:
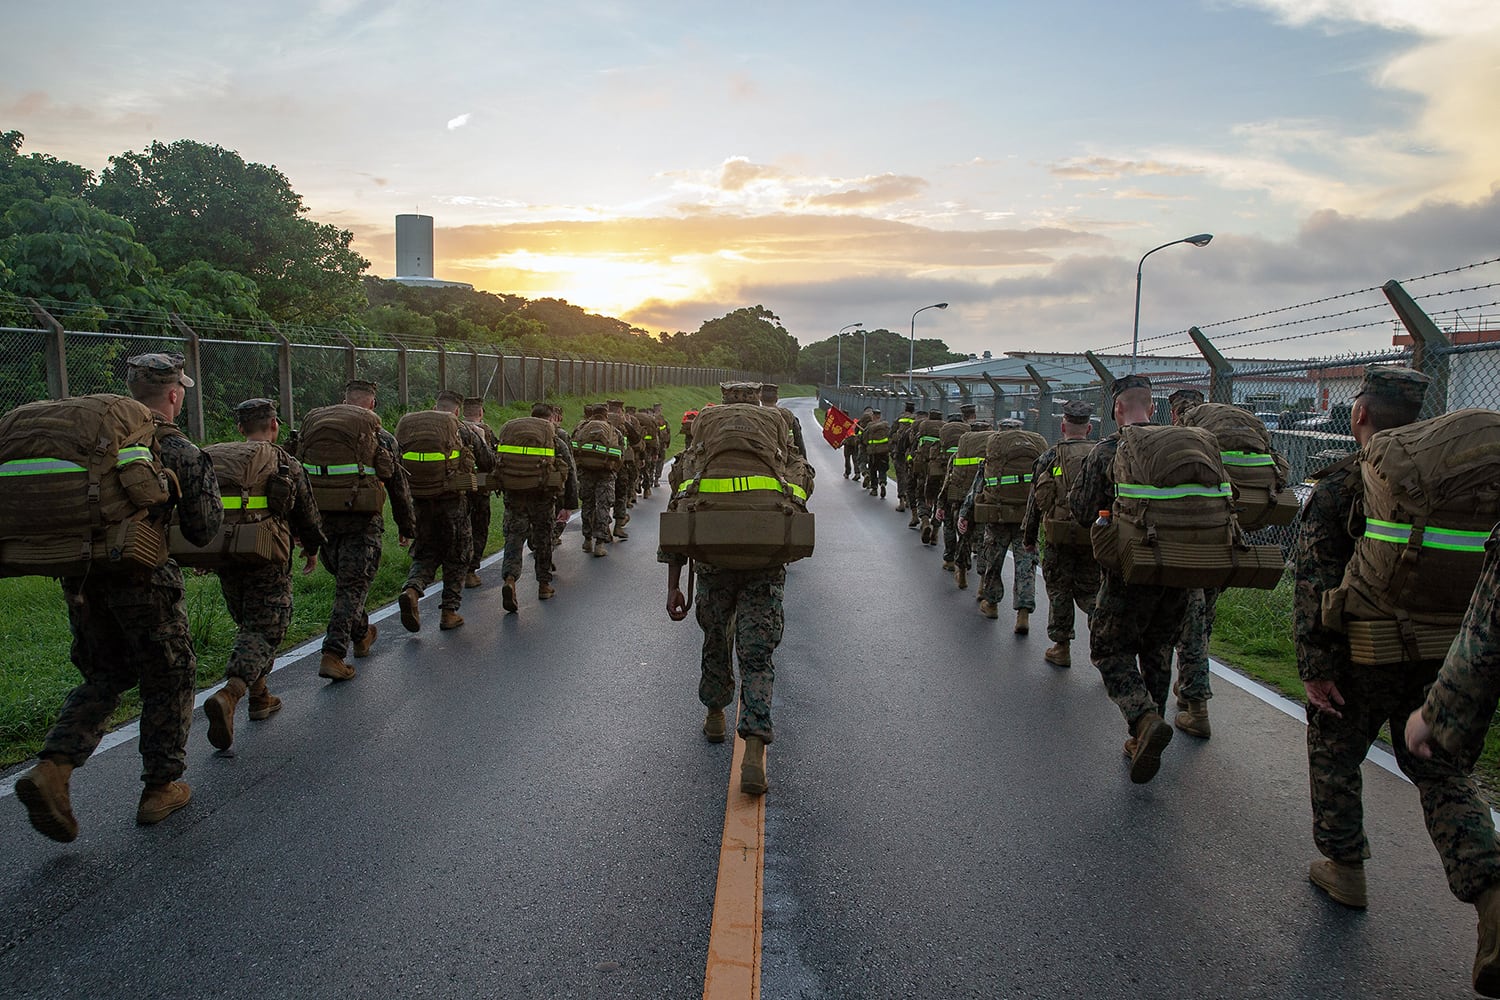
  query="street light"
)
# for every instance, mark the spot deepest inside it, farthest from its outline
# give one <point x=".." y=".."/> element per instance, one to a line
<point x="838" y="376"/>
<point x="911" y="354"/>
<point x="1201" y="240"/>
<point x="864" y="345"/>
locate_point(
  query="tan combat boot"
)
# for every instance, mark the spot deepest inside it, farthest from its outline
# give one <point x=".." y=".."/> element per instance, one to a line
<point x="263" y="704"/>
<point x="472" y="580"/>
<point x="1152" y="735"/>
<point x="362" y="646"/>
<point x="1194" y="720"/>
<point x="1182" y="703"/>
<point x="926" y="531"/>
<point x="961" y="576"/>
<point x="450" y="620"/>
<point x="588" y="544"/>
<point x="1060" y="654"/>
<point x="949" y="566"/>
<point x="600" y="550"/>
<point x="1344" y="881"/>
<point x="411" y="614"/>
<point x="900" y="505"/>
<point x="508" y="595"/>
<point x="1023" y="622"/>
<point x="43" y="790"/>
<point x="1130" y="743"/>
<point x="624" y="519"/>
<point x="988" y="609"/>
<point x="334" y="668"/>
<point x="713" y="725"/>
<point x="753" y="767"/>
<point x="1487" y="956"/>
<point x="544" y="591"/>
<point x="220" y="711"/>
<point x="913" y="522"/>
<point x="160" y="801"/>
<point x="620" y="531"/>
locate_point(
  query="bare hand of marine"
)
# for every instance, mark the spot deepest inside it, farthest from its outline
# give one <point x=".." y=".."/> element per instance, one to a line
<point x="676" y="604"/>
<point x="1419" y="735"/>
<point x="403" y="541"/>
<point x="963" y="526"/>
<point x="309" y="564"/>
<point x="1030" y="549"/>
<point x="1324" y="696"/>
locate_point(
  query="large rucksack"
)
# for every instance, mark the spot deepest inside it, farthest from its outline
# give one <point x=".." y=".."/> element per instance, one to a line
<point x="337" y="448"/>
<point x="1258" y="473"/>
<point x="1172" y="522"/>
<point x="876" y="437"/>
<point x="947" y="446"/>
<point x="79" y="479"/>
<point x="1052" y="487"/>
<point x="925" y="444"/>
<point x="741" y="498"/>
<point x="972" y="448"/>
<point x="526" y="457"/>
<point x="256" y="490"/>
<point x="434" y="455"/>
<point x="1429" y="496"/>
<point x="1009" y="464"/>
<point x="597" y="446"/>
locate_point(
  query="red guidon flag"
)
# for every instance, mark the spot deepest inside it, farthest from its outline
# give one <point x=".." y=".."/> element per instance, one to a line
<point x="838" y="427"/>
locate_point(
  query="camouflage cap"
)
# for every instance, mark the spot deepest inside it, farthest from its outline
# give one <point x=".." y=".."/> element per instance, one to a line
<point x="449" y="396"/>
<point x="1184" y="399"/>
<point x="615" y="404"/>
<point x="1127" y="382"/>
<point x="769" y="389"/>
<point x="874" y="413"/>
<point x="954" y="418"/>
<point x="254" y="409"/>
<point x="968" y="409"/>
<point x="1077" y="410"/>
<point x="361" y="385"/>
<point x="1399" y="385"/>
<point x="979" y="425"/>
<point x="1012" y="424"/>
<point x="158" y="369"/>
<point x="910" y="406"/>
<point x="740" y="392"/>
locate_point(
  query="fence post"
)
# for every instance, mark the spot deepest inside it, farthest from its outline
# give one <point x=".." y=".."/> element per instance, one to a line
<point x="473" y="370"/>
<point x="351" y="357"/>
<point x="995" y="394"/>
<point x="403" y="373"/>
<point x="442" y="353"/>
<point x="56" y="352"/>
<point x="284" y="375"/>
<point x="1044" y="406"/>
<point x="1220" y="371"/>
<point x="500" y="367"/>
<point x="1106" y="394"/>
<point x="1430" y="346"/>
<point x="194" y="369"/>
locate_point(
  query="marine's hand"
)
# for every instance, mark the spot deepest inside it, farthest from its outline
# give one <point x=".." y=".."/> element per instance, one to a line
<point x="403" y="541"/>
<point x="963" y="526"/>
<point x="1030" y="549"/>
<point x="676" y="604"/>
<point x="1419" y="735"/>
<point x="1325" y="697"/>
<point x="310" y="563"/>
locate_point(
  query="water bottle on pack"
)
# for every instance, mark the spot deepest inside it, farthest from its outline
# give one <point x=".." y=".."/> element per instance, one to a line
<point x="1103" y="520"/>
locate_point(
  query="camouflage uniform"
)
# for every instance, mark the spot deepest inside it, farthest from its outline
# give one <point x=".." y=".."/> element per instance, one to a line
<point x="626" y="476"/>
<point x="131" y="629"/>
<point x="994" y="542"/>
<point x="740" y="612"/>
<point x="900" y="444"/>
<point x="481" y="509"/>
<point x="663" y="444"/>
<point x="259" y="599"/>
<point x="1069" y="571"/>
<point x="1134" y="626"/>
<point x="1192" y="645"/>
<point x="1461" y="703"/>
<point x="445" y="533"/>
<point x="851" y="452"/>
<point x="1458" y="820"/>
<point x="352" y="551"/>
<point x="528" y="521"/>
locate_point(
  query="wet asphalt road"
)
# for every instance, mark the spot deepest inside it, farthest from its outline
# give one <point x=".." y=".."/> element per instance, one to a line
<point x="525" y="808"/>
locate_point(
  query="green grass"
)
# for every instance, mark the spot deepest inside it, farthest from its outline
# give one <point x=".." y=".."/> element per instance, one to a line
<point x="36" y="674"/>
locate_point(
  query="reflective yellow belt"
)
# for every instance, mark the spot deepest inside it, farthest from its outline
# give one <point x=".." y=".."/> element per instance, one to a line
<point x="742" y="484"/>
<point x="427" y="456"/>
<point x="1445" y="539"/>
<point x="238" y="503"/>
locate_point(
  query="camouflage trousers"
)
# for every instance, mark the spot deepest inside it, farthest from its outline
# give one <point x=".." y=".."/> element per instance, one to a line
<point x="128" y="633"/>
<point x="1458" y="820"/>
<point x="352" y="556"/>
<point x="627" y="481"/>
<point x="929" y="495"/>
<point x="998" y="538"/>
<point x="1192" y="645"/>
<point x="851" y="466"/>
<point x="481" y="511"/>
<point x="596" y="499"/>
<point x="1072" y="577"/>
<point x="1130" y="641"/>
<point x="260" y="602"/>
<point x="740" y="612"/>
<point x="528" y="520"/>
<point x="879" y="466"/>
<point x="443" y="540"/>
<point x="898" y="468"/>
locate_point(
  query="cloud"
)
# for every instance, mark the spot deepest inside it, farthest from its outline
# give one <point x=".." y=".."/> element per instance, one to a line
<point x="1103" y="167"/>
<point x="738" y="172"/>
<point x="457" y="123"/>
<point x="874" y="191"/>
<point x="1431" y="18"/>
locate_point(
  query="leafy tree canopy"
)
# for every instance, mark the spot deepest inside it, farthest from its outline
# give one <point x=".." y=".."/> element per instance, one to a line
<point x="880" y="351"/>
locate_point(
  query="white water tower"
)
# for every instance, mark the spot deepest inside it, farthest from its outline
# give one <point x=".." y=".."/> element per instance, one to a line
<point x="413" y="246"/>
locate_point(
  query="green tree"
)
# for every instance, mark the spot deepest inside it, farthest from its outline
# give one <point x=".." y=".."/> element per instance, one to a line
<point x="36" y="177"/>
<point x="750" y="338"/>
<point x="883" y="350"/>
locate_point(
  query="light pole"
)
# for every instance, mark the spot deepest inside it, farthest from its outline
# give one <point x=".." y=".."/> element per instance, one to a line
<point x="864" y="346"/>
<point x="1201" y="240"/>
<point x="911" y="354"/>
<point x="838" y="376"/>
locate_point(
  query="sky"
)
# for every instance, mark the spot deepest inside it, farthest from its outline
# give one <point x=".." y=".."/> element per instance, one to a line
<point x="668" y="162"/>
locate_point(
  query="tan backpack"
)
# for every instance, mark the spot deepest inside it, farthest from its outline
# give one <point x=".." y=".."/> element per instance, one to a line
<point x="1172" y="522"/>
<point x="256" y="491"/>
<point x="947" y="446"/>
<point x="337" y="448"/>
<point x="432" y="451"/>
<point x="1009" y="464"/>
<point x="926" y="450"/>
<point x="1052" y="487"/>
<point x="972" y="448"/>
<point x="742" y="498"/>
<point x="527" y="457"/>
<point x="597" y="446"/>
<point x="79" y="479"/>
<point x="876" y="437"/>
<point x="1429" y="497"/>
<point x="1258" y="473"/>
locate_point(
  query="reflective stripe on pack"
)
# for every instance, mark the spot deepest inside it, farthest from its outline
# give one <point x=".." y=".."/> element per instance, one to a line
<point x="951" y="451"/>
<point x="1446" y="539"/>
<point x="427" y="456"/>
<point x="1134" y="491"/>
<point x="646" y="437"/>
<point x="602" y="449"/>
<point x="1246" y="459"/>
<point x="1057" y="470"/>
<point x="38" y="467"/>
<point x="1007" y="480"/>
<point x="969" y="461"/>
<point x="878" y="441"/>
<point x="136" y="453"/>
<point x="743" y="484"/>
<point x="337" y="470"/>
<point x="254" y="503"/>
<point x="926" y="440"/>
<point x="521" y="449"/>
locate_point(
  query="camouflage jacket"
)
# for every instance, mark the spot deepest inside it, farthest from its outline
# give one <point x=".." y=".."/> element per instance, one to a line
<point x="1031" y="524"/>
<point x="486" y="442"/>
<point x="200" y="511"/>
<point x="402" y="509"/>
<point x="305" y="521"/>
<point x="1461" y="702"/>
<point x="1324" y="548"/>
<point x="1095" y="489"/>
<point x="569" y="499"/>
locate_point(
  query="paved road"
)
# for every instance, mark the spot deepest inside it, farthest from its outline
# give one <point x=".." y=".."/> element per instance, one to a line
<point x="525" y="808"/>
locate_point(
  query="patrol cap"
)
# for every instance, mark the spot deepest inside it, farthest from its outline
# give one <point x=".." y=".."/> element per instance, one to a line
<point x="1184" y="399"/>
<point x="740" y="392"/>
<point x="254" y="409"/>
<point x="615" y="404"/>
<point x="1399" y="385"/>
<point x="1011" y="424"/>
<point x="1127" y="382"/>
<point x="158" y="369"/>
<point x="361" y="385"/>
<point x="1077" y="411"/>
<point x="449" y="396"/>
<point x="979" y="425"/>
<point x="768" y="390"/>
<point x="953" y="418"/>
<point x="910" y="406"/>
<point x="968" y="409"/>
<point x="473" y="402"/>
<point x="875" y="413"/>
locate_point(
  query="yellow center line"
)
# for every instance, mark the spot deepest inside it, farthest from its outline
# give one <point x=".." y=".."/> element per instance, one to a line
<point x="733" y="971"/>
